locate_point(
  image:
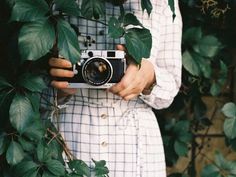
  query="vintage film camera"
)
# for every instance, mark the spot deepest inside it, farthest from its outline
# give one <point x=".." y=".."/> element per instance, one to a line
<point x="98" y="69"/>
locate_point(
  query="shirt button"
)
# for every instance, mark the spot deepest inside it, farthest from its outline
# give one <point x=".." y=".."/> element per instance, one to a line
<point x="103" y="116"/>
<point x="104" y="144"/>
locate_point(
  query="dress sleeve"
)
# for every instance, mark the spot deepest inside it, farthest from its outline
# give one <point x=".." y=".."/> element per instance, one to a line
<point x="165" y="56"/>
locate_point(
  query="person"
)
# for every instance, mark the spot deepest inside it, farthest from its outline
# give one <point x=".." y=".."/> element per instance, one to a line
<point x="118" y="124"/>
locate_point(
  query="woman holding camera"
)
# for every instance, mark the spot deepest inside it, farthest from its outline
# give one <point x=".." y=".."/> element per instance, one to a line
<point x="117" y="124"/>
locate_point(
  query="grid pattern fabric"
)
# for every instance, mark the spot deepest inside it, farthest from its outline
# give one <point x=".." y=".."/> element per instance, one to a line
<point x="100" y="125"/>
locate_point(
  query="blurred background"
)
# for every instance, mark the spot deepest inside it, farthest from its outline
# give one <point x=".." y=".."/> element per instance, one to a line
<point x="199" y="128"/>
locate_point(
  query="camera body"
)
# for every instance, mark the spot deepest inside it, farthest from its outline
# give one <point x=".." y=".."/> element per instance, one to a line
<point x="98" y="69"/>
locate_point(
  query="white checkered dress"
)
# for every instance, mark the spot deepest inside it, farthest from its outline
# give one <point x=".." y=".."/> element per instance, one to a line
<point x="101" y="126"/>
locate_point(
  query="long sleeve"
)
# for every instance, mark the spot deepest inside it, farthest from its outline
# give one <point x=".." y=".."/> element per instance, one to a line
<point x="165" y="56"/>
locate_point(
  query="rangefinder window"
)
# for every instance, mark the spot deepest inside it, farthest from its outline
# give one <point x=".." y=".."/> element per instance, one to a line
<point x="111" y="54"/>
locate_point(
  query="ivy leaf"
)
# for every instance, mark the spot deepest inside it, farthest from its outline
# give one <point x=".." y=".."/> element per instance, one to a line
<point x="115" y="29"/>
<point x="69" y="7"/>
<point x="209" y="46"/>
<point x="138" y="43"/>
<point x="31" y="173"/>
<point x="35" y="130"/>
<point x="171" y="3"/>
<point x="14" y="153"/>
<point x="131" y="19"/>
<point x="36" y="39"/>
<point x="3" y="143"/>
<point x="204" y="65"/>
<point x="4" y="84"/>
<point x="146" y="5"/>
<point x="46" y="173"/>
<point x="229" y="110"/>
<point x="67" y="41"/>
<point x="22" y="168"/>
<point x="42" y="152"/>
<point x="21" y="113"/>
<point x="100" y="168"/>
<point x="190" y="64"/>
<point x="26" y="145"/>
<point x="79" y="167"/>
<point x="32" y="82"/>
<point x="192" y="35"/>
<point x="229" y="128"/>
<point x="93" y="8"/>
<point x="28" y="10"/>
<point x="210" y="171"/>
<point x="35" y="101"/>
<point x="55" y="167"/>
<point x="181" y="148"/>
<point x="215" y="89"/>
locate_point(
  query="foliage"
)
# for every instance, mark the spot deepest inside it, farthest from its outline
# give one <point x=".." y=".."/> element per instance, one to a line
<point x="209" y="27"/>
<point x="30" y="33"/>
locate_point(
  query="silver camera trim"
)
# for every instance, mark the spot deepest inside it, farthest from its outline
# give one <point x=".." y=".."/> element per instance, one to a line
<point x="102" y="54"/>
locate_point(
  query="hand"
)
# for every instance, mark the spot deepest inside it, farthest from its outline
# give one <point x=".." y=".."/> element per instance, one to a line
<point x="135" y="79"/>
<point x="59" y="68"/>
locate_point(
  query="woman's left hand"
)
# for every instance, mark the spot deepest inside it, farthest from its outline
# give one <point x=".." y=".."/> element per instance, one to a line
<point x="135" y="79"/>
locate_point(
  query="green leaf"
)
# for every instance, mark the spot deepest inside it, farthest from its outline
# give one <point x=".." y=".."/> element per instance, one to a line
<point x="100" y="168"/>
<point x="26" y="145"/>
<point x="3" y="143"/>
<point x="67" y="41"/>
<point x="32" y="82"/>
<point x="35" y="101"/>
<point x="115" y="30"/>
<point x="210" y="171"/>
<point x="28" y="10"/>
<point x="4" y="84"/>
<point x="21" y="113"/>
<point x="93" y="8"/>
<point x="36" y="39"/>
<point x="22" y="168"/>
<point x="46" y="173"/>
<point x="31" y="173"/>
<point x="171" y="3"/>
<point x="14" y="153"/>
<point x="230" y="128"/>
<point x="138" y="43"/>
<point x="131" y="19"/>
<point x="42" y="152"/>
<point x="204" y="65"/>
<point x="215" y="89"/>
<point x="181" y="148"/>
<point x="190" y="64"/>
<point x="209" y="46"/>
<point x="55" y="167"/>
<point x="69" y="7"/>
<point x="35" y="130"/>
<point x="192" y="35"/>
<point x="146" y="5"/>
<point x="79" y="167"/>
<point x="229" y="110"/>
<point x="181" y="126"/>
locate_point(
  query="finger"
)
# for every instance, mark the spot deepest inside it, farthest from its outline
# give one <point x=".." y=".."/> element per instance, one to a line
<point x="129" y="97"/>
<point x="126" y="81"/>
<point x="132" y="89"/>
<point x="66" y="92"/>
<point x="59" y="84"/>
<point x="61" y="73"/>
<point x="59" y="63"/>
<point x="120" y="47"/>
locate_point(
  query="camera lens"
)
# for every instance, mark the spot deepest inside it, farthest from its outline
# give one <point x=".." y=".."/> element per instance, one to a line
<point x="97" y="71"/>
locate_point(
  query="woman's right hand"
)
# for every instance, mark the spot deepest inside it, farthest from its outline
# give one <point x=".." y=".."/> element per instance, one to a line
<point x="59" y="68"/>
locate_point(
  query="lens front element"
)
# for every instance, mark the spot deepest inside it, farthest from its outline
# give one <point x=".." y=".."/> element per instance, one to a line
<point x="97" y="71"/>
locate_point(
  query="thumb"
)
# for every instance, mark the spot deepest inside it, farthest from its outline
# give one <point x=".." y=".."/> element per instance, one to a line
<point x="120" y="47"/>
